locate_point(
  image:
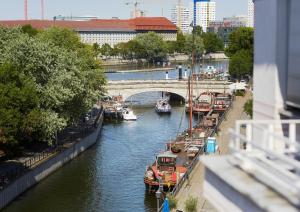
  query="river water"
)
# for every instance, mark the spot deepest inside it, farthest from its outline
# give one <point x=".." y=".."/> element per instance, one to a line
<point x="109" y="176"/>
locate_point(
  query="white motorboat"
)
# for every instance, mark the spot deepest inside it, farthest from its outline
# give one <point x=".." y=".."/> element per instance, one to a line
<point x="163" y="106"/>
<point x="128" y="115"/>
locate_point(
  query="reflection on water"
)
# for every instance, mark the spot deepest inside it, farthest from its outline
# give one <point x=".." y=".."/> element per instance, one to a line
<point x="109" y="176"/>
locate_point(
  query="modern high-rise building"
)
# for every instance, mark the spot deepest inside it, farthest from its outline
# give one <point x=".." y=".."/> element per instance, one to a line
<point x="203" y="12"/>
<point x="250" y="13"/>
<point x="180" y="16"/>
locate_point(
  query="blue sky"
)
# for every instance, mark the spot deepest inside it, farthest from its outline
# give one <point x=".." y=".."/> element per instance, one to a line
<point x="13" y="9"/>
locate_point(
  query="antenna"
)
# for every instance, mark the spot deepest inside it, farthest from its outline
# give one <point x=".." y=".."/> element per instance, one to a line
<point x="42" y="9"/>
<point x="25" y="9"/>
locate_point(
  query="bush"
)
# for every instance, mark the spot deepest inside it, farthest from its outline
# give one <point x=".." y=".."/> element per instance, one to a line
<point x="172" y="201"/>
<point x="248" y="108"/>
<point x="191" y="204"/>
<point x="240" y="93"/>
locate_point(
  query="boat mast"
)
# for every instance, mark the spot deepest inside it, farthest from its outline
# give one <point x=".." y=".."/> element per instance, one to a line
<point x="191" y="84"/>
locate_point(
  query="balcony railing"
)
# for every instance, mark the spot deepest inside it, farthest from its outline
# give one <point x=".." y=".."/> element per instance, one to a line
<point x="268" y="151"/>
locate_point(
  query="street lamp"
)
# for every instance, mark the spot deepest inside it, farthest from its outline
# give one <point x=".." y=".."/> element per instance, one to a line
<point x="158" y="197"/>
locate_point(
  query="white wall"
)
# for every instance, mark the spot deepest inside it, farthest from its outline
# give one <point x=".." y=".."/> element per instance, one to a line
<point x="270" y="60"/>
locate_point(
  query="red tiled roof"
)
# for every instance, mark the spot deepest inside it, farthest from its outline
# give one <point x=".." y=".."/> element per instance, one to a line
<point x="138" y="24"/>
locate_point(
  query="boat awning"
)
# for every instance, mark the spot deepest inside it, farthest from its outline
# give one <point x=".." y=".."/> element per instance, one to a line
<point x="167" y="155"/>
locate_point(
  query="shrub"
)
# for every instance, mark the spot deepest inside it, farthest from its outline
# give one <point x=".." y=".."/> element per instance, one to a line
<point x="191" y="204"/>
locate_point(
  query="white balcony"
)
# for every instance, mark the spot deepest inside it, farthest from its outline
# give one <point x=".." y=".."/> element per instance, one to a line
<point x="263" y="171"/>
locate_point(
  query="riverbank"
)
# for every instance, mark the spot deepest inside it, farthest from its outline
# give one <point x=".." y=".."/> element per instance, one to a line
<point x="194" y="186"/>
<point x="38" y="168"/>
<point x="180" y="58"/>
<point x="140" y="70"/>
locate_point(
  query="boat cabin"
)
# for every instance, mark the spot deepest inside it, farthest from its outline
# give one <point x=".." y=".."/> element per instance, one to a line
<point x="166" y="162"/>
<point x="210" y="121"/>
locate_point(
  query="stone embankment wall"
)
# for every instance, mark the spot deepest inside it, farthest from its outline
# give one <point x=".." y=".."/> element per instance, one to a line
<point x="47" y="167"/>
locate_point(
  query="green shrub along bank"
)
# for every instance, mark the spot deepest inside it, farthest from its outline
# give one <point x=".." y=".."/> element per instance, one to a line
<point x="48" y="80"/>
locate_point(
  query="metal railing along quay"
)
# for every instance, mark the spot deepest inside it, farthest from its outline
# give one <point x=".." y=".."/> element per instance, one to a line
<point x="66" y="139"/>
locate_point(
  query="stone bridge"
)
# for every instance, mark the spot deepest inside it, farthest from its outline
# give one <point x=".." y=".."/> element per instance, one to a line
<point x="128" y="88"/>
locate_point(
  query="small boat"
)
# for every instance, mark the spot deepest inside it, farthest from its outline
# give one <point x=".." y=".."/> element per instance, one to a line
<point x="204" y="103"/>
<point x="128" y="115"/>
<point x="163" y="106"/>
<point x="165" y="171"/>
<point x="222" y="102"/>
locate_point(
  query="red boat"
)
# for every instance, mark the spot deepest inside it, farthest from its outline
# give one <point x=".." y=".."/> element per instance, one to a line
<point x="221" y="102"/>
<point x="204" y="103"/>
<point x="166" y="171"/>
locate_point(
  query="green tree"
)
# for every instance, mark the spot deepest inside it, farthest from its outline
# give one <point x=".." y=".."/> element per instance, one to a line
<point x="241" y="64"/>
<point x="180" y="42"/>
<point x="240" y="51"/>
<point x="151" y="47"/>
<point x="212" y="43"/>
<point x="198" y="43"/>
<point x="29" y="30"/>
<point x="63" y="82"/>
<point x="18" y="98"/>
<point x="198" y="31"/>
<point x="106" y="50"/>
<point x="96" y="49"/>
<point x="241" y="38"/>
<point x="170" y="47"/>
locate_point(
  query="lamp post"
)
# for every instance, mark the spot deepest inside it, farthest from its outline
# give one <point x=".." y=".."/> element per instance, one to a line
<point x="158" y="197"/>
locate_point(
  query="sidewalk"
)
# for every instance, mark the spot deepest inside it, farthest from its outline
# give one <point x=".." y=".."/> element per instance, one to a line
<point x="194" y="187"/>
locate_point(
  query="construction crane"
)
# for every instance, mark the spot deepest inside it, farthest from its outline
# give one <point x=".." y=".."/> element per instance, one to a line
<point x="26" y="9"/>
<point x="135" y="4"/>
<point x="42" y="9"/>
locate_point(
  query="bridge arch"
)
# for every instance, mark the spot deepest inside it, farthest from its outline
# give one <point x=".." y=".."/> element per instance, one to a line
<point x="181" y="98"/>
<point x="126" y="95"/>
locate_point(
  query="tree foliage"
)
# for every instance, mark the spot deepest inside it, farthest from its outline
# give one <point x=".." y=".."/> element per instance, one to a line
<point x="212" y="43"/>
<point x="240" y="51"/>
<point x="47" y="82"/>
<point x="198" y="31"/>
<point x="180" y="42"/>
<point x="151" y="47"/>
<point x="197" y="43"/>
<point x="248" y="108"/>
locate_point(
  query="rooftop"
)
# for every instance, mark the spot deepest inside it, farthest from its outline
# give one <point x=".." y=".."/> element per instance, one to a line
<point x="135" y="24"/>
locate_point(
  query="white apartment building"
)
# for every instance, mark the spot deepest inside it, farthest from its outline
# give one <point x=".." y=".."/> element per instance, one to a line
<point x="250" y="13"/>
<point x="203" y="12"/>
<point x="180" y="16"/>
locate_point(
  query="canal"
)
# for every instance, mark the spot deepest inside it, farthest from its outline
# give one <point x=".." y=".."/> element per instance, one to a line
<point x="109" y="176"/>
